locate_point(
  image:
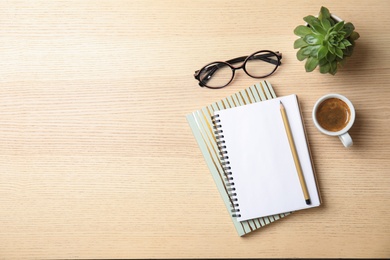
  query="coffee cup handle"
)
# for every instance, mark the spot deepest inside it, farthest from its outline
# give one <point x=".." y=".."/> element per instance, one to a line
<point x="346" y="139"/>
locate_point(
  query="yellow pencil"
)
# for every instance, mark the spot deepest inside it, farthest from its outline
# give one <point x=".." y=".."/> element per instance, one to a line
<point x="295" y="154"/>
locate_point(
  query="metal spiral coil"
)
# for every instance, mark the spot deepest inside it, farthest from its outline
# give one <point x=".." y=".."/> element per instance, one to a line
<point x="223" y="155"/>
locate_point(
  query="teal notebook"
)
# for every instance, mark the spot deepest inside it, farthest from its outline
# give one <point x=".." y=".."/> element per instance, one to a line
<point x="202" y="127"/>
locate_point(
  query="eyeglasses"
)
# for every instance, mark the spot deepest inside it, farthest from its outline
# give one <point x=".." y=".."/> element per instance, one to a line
<point x="219" y="74"/>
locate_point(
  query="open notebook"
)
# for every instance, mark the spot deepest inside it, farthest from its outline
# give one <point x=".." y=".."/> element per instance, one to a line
<point x="201" y="125"/>
<point x="262" y="176"/>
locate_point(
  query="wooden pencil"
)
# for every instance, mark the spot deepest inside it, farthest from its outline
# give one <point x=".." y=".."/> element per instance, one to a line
<point x="295" y="154"/>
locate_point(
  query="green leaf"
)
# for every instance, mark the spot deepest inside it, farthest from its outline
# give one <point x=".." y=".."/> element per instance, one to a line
<point x="331" y="48"/>
<point x="311" y="20"/>
<point x="299" y="43"/>
<point x="330" y="57"/>
<point x="332" y="22"/>
<point x="338" y="26"/>
<point x="354" y="36"/>
<point x="302" y="30"/>
<point x="313" y="39"/>
<point x="314" y="50"/>
<point x="322" y="52"/>
<point x="341" y="46"/>
<point x="306" y="51"/>
<point x="311" y="64"/>
<point x="324" y="13"/>
<point x="348" y="51"/>
<point x="348" y="29"/>
<point x="322" y="62"/>
<point x="333" y="68"/>
<point x="351" y="41"/>
<point x="300" y="55"/>
<point x="325" y="68"/>
<point x="326" y="24"/>
<point x="341" y="34"/>
<point x="314" y="24"/>
<point x="346" y="43"/>
<point x="317" y="28"/>
<point x="339" y="53"/>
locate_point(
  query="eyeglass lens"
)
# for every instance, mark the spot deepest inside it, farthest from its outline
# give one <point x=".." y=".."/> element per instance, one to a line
<point x="261" y="64"/>
<point x="216" y="74"/>
<point x="219" y="74"/>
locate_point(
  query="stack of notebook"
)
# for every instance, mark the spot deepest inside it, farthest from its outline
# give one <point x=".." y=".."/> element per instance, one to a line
<point x="245" y="145"/>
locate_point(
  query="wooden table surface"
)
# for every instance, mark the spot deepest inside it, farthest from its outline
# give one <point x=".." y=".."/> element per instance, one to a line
<point x="98" y="161"/>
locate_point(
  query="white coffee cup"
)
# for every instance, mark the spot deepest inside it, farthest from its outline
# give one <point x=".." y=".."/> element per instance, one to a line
<point x="325" y="108"/>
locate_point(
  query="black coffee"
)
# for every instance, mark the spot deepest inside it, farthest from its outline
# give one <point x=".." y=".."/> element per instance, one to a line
<point x="333" y="114"/>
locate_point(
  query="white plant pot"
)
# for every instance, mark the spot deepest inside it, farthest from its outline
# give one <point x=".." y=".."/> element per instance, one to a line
<point x="336" y="18"/>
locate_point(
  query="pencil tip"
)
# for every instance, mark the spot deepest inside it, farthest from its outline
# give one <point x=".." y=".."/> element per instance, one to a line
<point x="308" y="202"/>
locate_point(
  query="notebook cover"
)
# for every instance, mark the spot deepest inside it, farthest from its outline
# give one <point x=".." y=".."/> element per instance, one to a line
<point x="202" y="128"/>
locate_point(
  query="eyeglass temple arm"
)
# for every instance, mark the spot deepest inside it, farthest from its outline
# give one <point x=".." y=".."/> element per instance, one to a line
<point x="263" y="57"/>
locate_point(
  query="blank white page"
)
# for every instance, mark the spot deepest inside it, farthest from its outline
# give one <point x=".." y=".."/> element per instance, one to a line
<point x="264" y="174"/>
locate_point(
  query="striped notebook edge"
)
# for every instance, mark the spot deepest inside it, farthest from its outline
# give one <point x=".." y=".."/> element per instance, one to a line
<point x="202" y="128"/>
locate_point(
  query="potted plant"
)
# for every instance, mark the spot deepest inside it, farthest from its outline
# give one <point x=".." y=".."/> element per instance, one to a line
<point x="326" y="41"/>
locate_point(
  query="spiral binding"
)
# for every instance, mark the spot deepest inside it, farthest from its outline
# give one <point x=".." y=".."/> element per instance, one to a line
<point x="223" y="154"/>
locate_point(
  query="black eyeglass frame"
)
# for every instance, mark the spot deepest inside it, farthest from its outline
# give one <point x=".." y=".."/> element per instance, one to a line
<point x="243" y="59"/>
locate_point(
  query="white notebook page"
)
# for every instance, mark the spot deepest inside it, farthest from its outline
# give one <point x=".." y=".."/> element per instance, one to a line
<point x="265" y="177"/>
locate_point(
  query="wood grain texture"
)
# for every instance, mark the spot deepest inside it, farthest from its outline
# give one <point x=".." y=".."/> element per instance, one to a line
<point x="98" y="161"/>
